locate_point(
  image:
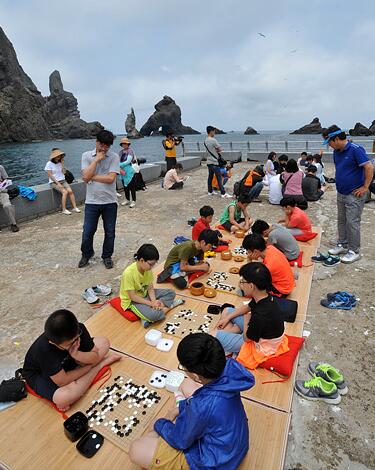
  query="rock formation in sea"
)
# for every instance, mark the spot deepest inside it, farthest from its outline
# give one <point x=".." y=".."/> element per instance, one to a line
<point x="251" y="131"/>
<point x="219" y="131"/>
<point x="131" y="130"/>
<point x="313" y="128"/>
<point x="25" y="114"/>
<point x="167" y="116"/>
<point x="372" y="128"/>
<point x="360" y="129"/>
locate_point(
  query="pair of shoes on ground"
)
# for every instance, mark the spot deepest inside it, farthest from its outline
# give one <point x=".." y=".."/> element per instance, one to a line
<point x="341" y="300"/>
<point x="349" y="255"/>
<point x="91" y="293"/>
<point x="128" y="203"/>
<point x="326" y="259"/>
<point x="66" y="212"/>
<point x="84" y="261"/>
<point x="174" y="304"/>
<point x="224" y="196"/>
<point x="328" y="384"/>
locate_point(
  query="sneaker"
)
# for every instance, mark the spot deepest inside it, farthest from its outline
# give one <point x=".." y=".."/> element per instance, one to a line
<point x="320" y="257"/>
<point x="331" y="261"/>
<point x="178" y="274"/>
<point x="14" y="228"/>
<point x="329" y="374"/>
<point x="338" y="304"/>
<point x="210" y="194"/>
<point x="66" y="212"/>
<point x="318" y="389"/>
<point x="108" y="263"/>
<point x="338" y="250"/>
<point x="118" y="194"/>
<point x="132" y="205"/>
<point x="177" y="302"/>
<point x="342" y="295"/>
<point x="100" y="289"/>
<point x="76" y="210"/>
<point x="226" y="196"/>
<point x="83" y="262"/>
<point x="89" y="296"/>
<point x="350" y="257"/>
<point x="126" y="203"/>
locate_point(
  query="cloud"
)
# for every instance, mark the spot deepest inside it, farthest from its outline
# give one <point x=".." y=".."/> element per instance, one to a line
<point x="208" y="57"/>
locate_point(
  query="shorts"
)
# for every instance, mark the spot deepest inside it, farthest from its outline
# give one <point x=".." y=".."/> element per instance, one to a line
<point x="232" y="342"/>
<point x="43" y="386"/>
<point x="168" y="458"/>
<point x="63" y="183"/>
<point x="227" y="225"/>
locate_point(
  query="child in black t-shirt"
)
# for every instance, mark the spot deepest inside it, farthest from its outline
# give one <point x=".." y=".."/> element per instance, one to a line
<point x="62" y="363"/>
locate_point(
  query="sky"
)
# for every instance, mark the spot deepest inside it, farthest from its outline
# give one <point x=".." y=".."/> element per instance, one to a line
<point x="269" y="64"/>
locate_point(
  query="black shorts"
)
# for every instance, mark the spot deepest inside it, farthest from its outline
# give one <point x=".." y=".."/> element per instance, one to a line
<point x="277" y="293"/>
<point x="43" y="386"/>
<point x="227" y="225"/>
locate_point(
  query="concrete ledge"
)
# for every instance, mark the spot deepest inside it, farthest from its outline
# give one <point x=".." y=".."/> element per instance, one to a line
<point x="163" y="166"/>
<point x="230" y="156"/>
<point x="151" y="171"/>
<point x="189" y="163"/>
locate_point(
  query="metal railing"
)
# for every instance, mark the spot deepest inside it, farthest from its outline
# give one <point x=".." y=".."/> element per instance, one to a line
<point x="311" y="146"/>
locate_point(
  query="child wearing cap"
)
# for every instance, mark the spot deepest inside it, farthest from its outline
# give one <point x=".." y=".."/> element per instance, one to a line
<point x="56" y="178"/>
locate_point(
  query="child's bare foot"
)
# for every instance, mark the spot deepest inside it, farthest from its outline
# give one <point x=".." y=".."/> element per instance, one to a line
<point x="111" y="359"/>
<point x="63" y="408"/>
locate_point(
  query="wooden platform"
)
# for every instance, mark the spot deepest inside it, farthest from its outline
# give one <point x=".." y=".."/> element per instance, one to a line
<point x="33" y="437"/>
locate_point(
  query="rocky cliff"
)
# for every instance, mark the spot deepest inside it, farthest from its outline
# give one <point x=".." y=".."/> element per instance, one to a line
<point x="131" y="130"/>
<point x="26" y="115"/>
<point x="250" y="131"/>
<point x="360" y="129"/>
<point x="167" y="116"/>
<point x="313" y="128"/>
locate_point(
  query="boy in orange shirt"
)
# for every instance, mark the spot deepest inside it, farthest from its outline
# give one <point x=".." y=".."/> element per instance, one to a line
<point x="206" y="215"/>
<point x="277" y="263"/>
<point x="296" y="220"/>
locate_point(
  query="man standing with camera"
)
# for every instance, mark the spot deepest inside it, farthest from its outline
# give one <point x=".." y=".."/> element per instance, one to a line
<point x="214" y="161"/>
<point x="170" y="149"/>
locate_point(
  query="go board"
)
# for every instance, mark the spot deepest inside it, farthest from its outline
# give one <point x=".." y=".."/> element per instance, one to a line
<point x="187" y="321"/>
<point x="217" y="280"/>
<point x="122" y="410"/>
<point x="239" y="251"/>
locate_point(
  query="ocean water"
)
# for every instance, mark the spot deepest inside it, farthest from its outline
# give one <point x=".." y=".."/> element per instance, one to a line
<point x="25" y="163"/>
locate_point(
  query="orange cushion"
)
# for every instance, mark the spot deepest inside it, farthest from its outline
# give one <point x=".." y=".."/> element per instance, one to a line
<point x="221" y="248"/>
<point x="305" y="237"/>
<point x="128" y="314"/>
<point x="297" y="260"/>
<point x="283" y="364"/>
<point x="195" y="275"/>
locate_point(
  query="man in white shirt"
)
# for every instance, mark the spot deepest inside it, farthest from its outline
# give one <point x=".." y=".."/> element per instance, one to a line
<point x="275" y="194"/>
<point x="5" y="203"/>
<point x="213" y="154"/>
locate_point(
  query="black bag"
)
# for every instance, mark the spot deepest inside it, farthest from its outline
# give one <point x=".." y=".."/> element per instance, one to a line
<point x="12" y="390"/>
<point x="220" y="160"/>
<point x="13" y="191"/>
<point x="69" y="177"/>
<point x="288" y="307"/>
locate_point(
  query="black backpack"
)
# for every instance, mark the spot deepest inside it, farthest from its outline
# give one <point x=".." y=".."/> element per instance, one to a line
<point x="12" y="390"/>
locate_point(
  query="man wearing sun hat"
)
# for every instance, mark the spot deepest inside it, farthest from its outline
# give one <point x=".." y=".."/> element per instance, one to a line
<point x="354" y="174"/>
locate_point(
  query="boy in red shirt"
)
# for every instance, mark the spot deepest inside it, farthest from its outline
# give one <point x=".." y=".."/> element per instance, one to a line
<point x="281" y="273"/>
<point x="206" y="215"/>
<point x="296" y="220"/>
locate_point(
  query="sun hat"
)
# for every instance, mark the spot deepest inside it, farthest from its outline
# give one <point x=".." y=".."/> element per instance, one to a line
<point x="331" y="135"/>
<point x="56" y="153"/>
<point x="125" y="140"/>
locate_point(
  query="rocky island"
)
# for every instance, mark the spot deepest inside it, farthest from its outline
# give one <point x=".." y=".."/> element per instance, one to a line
<point x="313" y="128"/>
<point x="26" y="115"/>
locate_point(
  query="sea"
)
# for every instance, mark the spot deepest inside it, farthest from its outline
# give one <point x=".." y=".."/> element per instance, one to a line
<point x="25" y="162"/>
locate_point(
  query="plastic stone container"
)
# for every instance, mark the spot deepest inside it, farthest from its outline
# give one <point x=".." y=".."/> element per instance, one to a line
<point x="174" y="380"/>
<point x="164" y="344"/>
<point x="152" y="337"/>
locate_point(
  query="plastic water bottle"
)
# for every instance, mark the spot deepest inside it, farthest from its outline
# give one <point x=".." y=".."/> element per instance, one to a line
<point x="295" y="270"/>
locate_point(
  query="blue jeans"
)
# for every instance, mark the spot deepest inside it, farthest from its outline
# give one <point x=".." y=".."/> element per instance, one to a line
<point x="215" y="170"/>
<point x="256" y="190"/>
<point x="232" y="342"/>
<point x="108" y="212"/>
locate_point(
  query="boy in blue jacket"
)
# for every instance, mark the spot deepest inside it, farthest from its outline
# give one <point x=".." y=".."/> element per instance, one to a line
<point x="209" y="429"/>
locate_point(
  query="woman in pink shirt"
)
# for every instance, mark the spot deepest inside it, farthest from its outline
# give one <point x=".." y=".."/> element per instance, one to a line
<point x="292" y="178"/>
<point x="171" y="178"/>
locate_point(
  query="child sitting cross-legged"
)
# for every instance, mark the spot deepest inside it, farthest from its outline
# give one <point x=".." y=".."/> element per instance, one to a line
<point x="206" y="215"/>
<point x="235" y="216"/>
<point x="259" y="324"/>
<point x="137" y="291"/>
<point x="62" y="363"/>
<point x="187" y="257"/>
<point x="278" y="236"/>
<point x="209" y="428"/>
<point x="279" y="267"/>
<point x="295" y="220"/>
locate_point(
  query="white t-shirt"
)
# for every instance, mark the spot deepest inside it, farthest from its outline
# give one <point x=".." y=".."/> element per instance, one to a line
<point x="57" y="171"/>
<point x="275" y="195"/>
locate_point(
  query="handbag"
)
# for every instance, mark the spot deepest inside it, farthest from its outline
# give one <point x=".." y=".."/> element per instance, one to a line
<point x="69" y="177"/>
<point x="220" y="160"/>
<point x="136" y="167"/>
<point x="13" y="191"/>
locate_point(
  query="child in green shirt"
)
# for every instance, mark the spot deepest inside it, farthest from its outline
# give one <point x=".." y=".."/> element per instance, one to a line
<point x="137" y="292"/>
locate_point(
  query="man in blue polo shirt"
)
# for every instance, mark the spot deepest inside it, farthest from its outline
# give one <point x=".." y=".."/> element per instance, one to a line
<point x="354" y="174"/>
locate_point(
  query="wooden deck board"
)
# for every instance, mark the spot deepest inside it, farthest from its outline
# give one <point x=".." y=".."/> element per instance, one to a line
<point x="33" y="437"/>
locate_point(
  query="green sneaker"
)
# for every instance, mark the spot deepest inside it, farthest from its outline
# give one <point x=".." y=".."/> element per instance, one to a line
<point x="318" y="389"/>
<point x="330" y="374"/>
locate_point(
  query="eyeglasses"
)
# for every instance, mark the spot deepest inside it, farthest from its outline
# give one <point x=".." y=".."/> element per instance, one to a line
<point x="72" y="342"/>
<point x="151" y="264"/>
<point x="242" y="281"/>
